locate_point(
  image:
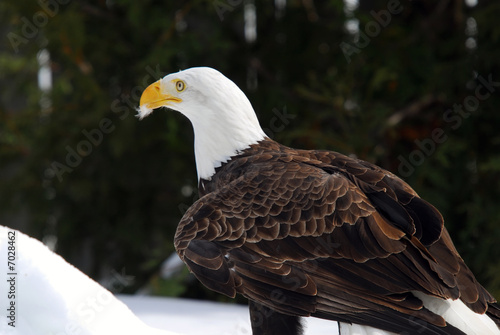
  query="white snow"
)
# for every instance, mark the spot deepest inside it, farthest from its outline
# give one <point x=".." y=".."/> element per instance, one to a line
<point x="40" y="293"/>
<point x="191" y="317"/>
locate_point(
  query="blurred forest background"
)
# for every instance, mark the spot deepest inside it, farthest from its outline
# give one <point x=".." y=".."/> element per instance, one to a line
<point x="412" y="86"/>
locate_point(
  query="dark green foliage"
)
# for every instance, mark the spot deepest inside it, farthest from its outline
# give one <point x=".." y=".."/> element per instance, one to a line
<point x="390" y="101"/>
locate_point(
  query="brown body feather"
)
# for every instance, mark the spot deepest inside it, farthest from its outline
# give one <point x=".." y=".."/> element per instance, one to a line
<point x="317" y="233"/>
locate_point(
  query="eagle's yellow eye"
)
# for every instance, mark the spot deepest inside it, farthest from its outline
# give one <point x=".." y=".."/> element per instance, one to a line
<point x="180" y="86"/>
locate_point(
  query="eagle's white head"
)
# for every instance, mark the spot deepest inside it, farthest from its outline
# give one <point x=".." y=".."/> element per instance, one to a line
<point x="223" y="119"/>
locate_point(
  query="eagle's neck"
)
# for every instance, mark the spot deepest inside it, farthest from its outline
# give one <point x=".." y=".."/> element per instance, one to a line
<point x="217" y="139"/>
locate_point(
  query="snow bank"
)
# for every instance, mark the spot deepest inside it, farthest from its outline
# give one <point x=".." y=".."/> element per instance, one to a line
<point x="42" y="294"/>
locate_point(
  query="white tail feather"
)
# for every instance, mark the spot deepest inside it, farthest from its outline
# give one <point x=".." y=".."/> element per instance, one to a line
<point x="456" y="313"/>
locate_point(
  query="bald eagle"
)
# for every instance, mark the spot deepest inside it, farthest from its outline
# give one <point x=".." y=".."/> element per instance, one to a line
<point x="310" y="232"/>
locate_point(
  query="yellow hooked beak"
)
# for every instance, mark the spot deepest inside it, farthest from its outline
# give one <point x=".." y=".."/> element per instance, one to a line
<point x="152" y="98"/>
